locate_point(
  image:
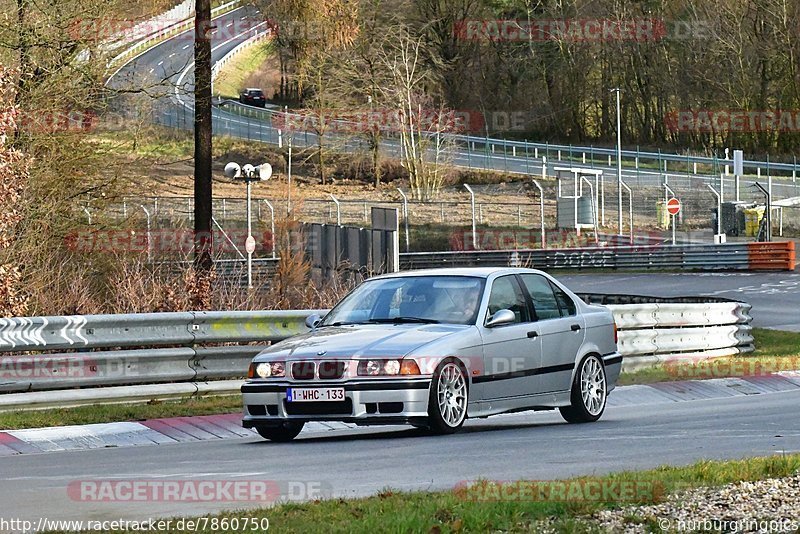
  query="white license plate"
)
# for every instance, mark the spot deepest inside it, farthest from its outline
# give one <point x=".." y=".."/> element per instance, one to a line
<point x="315" y="395"/>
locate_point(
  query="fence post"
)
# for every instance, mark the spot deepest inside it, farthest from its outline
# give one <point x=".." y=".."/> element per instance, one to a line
<point x="405" y="214"/>
<point x="149" y="251"/>
<point x="474" y="230"/>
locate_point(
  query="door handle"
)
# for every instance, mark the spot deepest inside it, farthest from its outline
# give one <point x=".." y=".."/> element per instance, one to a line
<point x="575" y="327"/>
<point x="533" y="334"/>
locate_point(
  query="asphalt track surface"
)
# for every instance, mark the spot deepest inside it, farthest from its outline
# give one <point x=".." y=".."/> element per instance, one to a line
<point x="362" y="462"/>
<point x="775" y="296"/>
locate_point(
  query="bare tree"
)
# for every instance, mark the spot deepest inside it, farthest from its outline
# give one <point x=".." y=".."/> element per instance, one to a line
<point x="421" y="128"/>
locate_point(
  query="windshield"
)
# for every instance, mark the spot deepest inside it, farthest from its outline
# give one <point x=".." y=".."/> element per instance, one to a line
<point x="411" y="299"/>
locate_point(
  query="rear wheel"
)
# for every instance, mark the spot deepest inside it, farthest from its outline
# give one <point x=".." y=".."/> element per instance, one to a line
<point x="589" y="392"/>
<point x="447" y="403"/>
<point x="285" y="432"/>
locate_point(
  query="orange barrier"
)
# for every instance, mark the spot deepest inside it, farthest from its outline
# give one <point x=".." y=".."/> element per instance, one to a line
<point x="778" y="256"/>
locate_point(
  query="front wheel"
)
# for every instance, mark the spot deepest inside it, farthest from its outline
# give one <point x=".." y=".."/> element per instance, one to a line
<point x="285" y="432"/>
<point x="589" y="392"/>
<point x="447" y="403"/>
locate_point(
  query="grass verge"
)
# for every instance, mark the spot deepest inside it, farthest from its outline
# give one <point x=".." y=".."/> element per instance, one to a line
<point x="107" y="413"/>
<point x="233" y="76"/>
<point x="462" y="510"/>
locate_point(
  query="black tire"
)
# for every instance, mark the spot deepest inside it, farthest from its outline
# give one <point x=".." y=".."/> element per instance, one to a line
<point x="448" y="422"/>
<point x="285" y="432"/>
<point x="578" y="411"/>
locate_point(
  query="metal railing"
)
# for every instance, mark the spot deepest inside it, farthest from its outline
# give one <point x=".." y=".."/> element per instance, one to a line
<point x="657" y="330"/>
<point x="778" y="256"/>
<point x="106" y="350"/>
<point x="44" y="357"/>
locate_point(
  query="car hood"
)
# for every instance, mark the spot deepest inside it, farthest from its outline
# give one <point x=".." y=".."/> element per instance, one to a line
<point x="359" y="341"/>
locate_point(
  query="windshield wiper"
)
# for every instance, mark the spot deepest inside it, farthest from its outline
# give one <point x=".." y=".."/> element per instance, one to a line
<point x="400" y="320"/>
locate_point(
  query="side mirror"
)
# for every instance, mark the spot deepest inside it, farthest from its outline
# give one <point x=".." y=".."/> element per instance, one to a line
<point x="313" y="320"/>
<point x="500" y="318"/>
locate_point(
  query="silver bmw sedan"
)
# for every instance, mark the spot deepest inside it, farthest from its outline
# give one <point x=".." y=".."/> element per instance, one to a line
<point x="433" y="348"/>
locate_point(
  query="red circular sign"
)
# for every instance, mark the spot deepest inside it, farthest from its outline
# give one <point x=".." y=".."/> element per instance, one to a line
<point x="674" y="206"/>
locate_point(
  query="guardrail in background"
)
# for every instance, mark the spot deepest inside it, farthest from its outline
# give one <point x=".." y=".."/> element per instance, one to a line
<point x="775" y="256"/>
<point x="260" y="32"/>
<point x="656" y="330"/>
<point x="175" y="28"/>
<point x="778" y="256"/>
<point x="160" y="355"/>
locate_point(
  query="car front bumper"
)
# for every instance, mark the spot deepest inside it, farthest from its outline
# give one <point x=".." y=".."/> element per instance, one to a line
<point x="367" y="402"/>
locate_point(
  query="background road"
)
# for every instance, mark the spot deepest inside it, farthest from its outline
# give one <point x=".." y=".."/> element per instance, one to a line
<point x="165" y="66"/>
<point x="363" y="462"/>
<point x="775" y="296"/>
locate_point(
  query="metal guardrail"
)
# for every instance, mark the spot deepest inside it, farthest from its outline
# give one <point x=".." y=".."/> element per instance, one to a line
<point x="779" y="256"/>
<point x="656" y="161"/>
<point x="173" y="28"/>
<point x="655" y="330"/>
<point x="125" y="357"/>
<point x="145" y="348"/>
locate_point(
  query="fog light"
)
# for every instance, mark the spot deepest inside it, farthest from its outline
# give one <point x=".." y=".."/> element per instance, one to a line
<point x="263" y="370"/>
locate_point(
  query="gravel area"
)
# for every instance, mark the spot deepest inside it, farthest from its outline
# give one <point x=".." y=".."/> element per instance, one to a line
<point x="771" y="505"/>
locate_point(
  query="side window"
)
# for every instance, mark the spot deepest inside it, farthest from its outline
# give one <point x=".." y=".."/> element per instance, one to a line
<point x="541" y="292"/>
<point x="506" y="295"/>
<point x="565" y="302"/>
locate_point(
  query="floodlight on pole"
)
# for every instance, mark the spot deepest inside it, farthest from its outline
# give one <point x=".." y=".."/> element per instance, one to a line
<point x="249" y="174"/>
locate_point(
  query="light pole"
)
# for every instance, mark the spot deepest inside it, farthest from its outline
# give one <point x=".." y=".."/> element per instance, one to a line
<point x="619" y="164"/>
<point x="249" y="174"/>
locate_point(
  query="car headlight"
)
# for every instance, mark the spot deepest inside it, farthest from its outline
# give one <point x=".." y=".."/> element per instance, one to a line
<point x="387" y="367"/>
<point x="264" y="370"/>
<point x="267" y="370"/>
<point x="392" y="367"/>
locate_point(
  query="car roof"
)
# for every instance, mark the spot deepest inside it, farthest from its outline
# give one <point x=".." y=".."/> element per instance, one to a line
<point x="479" y="272"/>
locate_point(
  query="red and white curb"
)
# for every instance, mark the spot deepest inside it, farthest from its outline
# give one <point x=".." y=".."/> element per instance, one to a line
<point x="150" y="432"/>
